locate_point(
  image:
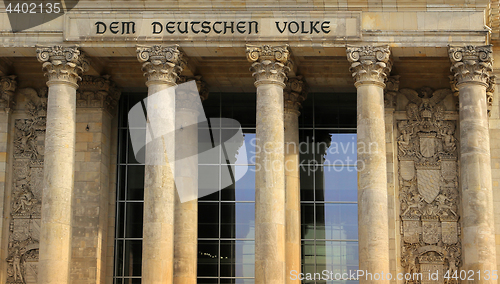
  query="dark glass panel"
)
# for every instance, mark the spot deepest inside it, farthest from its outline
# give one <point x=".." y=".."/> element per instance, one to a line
<point x="119" y="258"/>
<point x="134" y="218"/>
<point x="307" y="220"/>
<point x="307" y="183"/>
<point x="133" y="257"/>
<point x="238" y="220"/>
<point x="208" y="258"/>
<point x="237" y="258"/>
<point x="122" y="185"/>
<point x="120" y="220"/>
<point x="207" y="281"/>
<point x="208" y="220"/>
<point x="135" y="182"/>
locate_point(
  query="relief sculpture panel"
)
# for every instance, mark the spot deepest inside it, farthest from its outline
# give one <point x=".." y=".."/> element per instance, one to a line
<point x="428" y="182"/>
<point x="24" y="228"/>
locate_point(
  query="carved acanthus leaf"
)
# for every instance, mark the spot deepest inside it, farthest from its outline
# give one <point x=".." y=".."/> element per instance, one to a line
<point x="369" y="64"/>
<point x="270" y="64"/>
<point x="62" y="63"/>
<point x="97" y="92"/>
<point x="8" y="86"/>
<point x="471" y="63"/>
<point x="200" y="84"/>
<point x="294" y="94"/>
<point x="161" y="63"/>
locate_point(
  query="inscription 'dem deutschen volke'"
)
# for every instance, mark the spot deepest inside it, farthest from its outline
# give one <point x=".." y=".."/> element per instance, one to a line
<point x="212" y="27"/>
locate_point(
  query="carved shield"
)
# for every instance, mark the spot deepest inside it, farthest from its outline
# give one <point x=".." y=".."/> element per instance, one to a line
<point x="427" y="146"/>
<point x="449" y="169"/>
<point x="428" y="184"/>
<point x="430" y="232"/>
<point x="449" y="232"/>
<point x="407" y="169"/>
<point x="429" y="270"/>
<point x="411" y="230"/>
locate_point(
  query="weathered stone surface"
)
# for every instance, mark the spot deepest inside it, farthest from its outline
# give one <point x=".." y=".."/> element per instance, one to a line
<point x="370" y="66"/>
<point x="270" y="67"/>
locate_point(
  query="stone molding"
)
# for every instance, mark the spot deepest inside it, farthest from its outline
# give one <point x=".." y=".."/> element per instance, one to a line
<point x="62" y="64"/>
<point x="369" y="64"/>
<point x="97" y="92"/>
<point x="294" y="94"/>
<point x="8" y="86"/>
<point x="161" y="64"/>
<point x="270" y="64"/>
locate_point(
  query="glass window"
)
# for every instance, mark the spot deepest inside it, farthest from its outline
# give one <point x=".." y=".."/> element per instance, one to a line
<point x="328" y="180"/>
<point x="226" y="218"/>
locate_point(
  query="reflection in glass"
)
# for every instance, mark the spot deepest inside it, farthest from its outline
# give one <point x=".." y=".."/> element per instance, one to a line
<point x="336" y="184"/>
<point x="237" y="258"/>
<point x="208" y="258"/>
<point x="244" y="188"/>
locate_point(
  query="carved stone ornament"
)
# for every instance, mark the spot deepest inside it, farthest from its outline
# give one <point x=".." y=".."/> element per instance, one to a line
<point x="471" y="64"/>
<point x="391" y="91"/>
<point x="200" y="84"/>
<point x="270" y="64"/>
<point x="369" y="64"/>
<point x="25" y="206"/>
<point x="62" y="64"/>
<point x="294" y="94"/>
<point x="97" y="92"/>
<point x="8" y="85"/>
<point x="161" y="64"/>
<point x="428" y="182"/>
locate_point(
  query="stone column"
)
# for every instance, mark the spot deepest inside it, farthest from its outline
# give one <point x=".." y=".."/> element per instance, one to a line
<point x="270" y="67"/>
<point x="472" y="66"/>
<point x="161" y="66"/>
<point x="96" y="102"/>
<point x="186" y="176"/>
<point x="294" y="95"/>
<point x="370" y="66"/>
<point x="62" y="66"/>
<point x="8" y="86"/>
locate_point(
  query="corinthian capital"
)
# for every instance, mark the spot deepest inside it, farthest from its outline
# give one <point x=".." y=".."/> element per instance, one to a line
<point x="62" y="64"/>
<point x="294" y="94"/>
<point x="8" y="86"/>
<point x="162" y="64"/>
<point x="271" y="64"/>
<point x="369" y="64"/>
<point x="97" y="92"/>
<point x="200" y="84"/>
<point x="471" y="64"/>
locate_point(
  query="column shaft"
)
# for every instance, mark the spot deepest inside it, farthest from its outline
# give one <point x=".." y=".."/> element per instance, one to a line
<point x="59" y="163"/>
<point x="370" y="65"/>
<point x="161" y="66"/>
<point x="294" y="95"/>
<point x="472" y="67"/>
<point x="269" y="176"/>
<point x="186" y="179"/>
